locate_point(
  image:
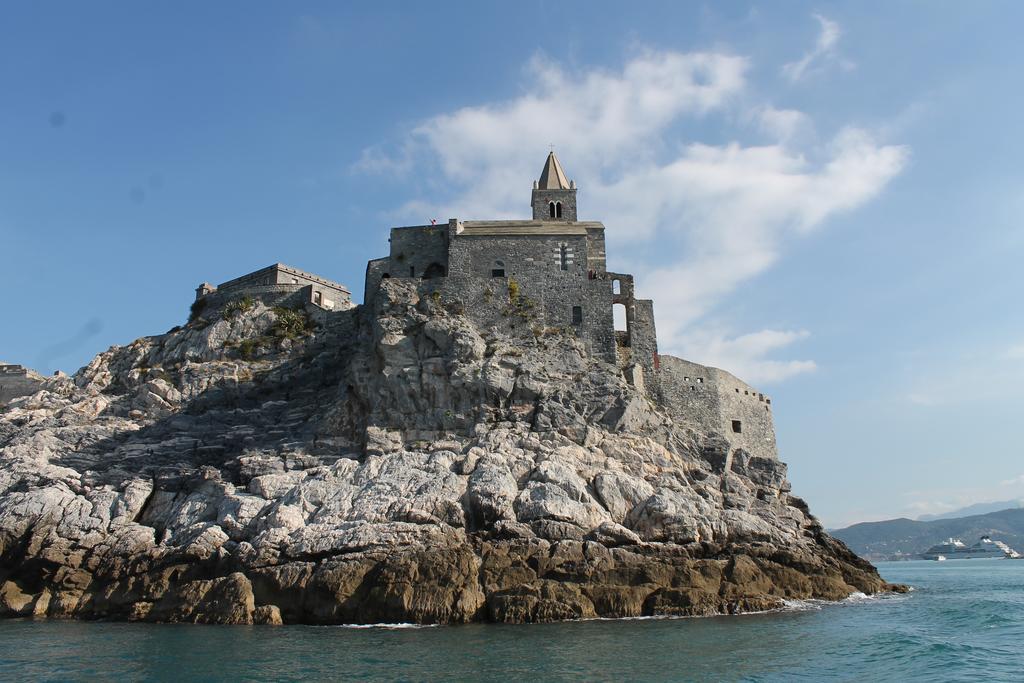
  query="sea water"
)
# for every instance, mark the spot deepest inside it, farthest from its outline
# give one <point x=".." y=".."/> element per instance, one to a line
<point x="964" y="620"/>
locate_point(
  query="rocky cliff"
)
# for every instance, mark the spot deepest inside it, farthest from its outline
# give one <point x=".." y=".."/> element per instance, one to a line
<point x="392" y="464"/>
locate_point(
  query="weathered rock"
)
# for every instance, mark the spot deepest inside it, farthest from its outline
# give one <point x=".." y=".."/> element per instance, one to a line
<point x="396" y="464"/>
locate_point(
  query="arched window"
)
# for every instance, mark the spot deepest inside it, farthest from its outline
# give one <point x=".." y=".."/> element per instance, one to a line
<point x="616" y="287"/>
<point x="551" y="209"/>
<point x="558" y="209"/>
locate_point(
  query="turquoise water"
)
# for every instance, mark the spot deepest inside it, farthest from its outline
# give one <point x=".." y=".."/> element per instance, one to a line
<point x="964" y="621"/>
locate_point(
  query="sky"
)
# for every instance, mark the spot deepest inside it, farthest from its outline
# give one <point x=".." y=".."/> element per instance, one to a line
<point x="823" y="198"/>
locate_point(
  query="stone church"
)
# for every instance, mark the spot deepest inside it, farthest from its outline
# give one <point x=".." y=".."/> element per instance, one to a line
<point x="543" y="275"/>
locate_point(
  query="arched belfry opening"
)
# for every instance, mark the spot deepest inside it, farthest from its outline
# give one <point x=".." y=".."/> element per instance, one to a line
<point x="551" y="209"/>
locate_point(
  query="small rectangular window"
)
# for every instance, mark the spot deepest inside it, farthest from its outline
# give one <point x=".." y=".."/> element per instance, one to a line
<point x="737" y="427"/>
<point x="412" y="271"/>
<point x="498" y="272"/>
<point x="317" y="298"/>
<point x="577" y="315"/>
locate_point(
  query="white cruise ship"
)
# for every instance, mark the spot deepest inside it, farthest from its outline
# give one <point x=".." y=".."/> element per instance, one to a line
<point x="955" y="549"/>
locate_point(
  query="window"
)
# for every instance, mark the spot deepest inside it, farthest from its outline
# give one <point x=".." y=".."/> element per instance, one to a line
<point x="498" y="269"/>
<point x="558" y="209"/>
<point x="412" y="271"/>
<point x="317" y="298"/>
<point x="616" y="287"/>
<point x="577" y="315"/>
<point x="619" y="318"/>
<point x="551" y="209"/>
<point x="737" y="427"/>
<point x="563" y="257"/>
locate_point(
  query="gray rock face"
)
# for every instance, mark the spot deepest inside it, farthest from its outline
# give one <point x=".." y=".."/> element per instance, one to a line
<point x="394" y="464"/>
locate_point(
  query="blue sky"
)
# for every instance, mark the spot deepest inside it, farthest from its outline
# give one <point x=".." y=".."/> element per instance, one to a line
<point x="824" y="198"/>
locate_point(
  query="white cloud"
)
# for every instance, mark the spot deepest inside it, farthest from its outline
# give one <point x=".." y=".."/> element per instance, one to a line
<point x="746" y="355"/>
<point x="1015" y="481"/>
<point x="782" y="124"/>
<point x="702" y="219"/>
<point x="824" y="52"/>
<point x="1015" y="352"/>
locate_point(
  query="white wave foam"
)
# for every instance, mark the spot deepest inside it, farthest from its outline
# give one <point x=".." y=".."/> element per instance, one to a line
<point x="400" y="625"/>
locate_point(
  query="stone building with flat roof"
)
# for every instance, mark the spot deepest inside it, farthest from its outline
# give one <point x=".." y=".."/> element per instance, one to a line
<point x="278" y="285"/>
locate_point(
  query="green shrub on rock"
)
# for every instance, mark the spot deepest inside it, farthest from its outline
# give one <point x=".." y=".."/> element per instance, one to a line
<point x="290" y="323"/>
<point x="234" y="308"/>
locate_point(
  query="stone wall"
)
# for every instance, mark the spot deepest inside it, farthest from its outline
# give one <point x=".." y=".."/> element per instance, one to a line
<point x="332" y="295"/>
<point x="419" y="250"/>
<point x="541" y="200"/>
<point x="289" y="296"/>
<point x="533" y="263"/>
<point x="644" y="337"/>
<point x="523" y="256"/>
<point x="596" y="258"/>
<point x="375" y="271"/>
<point x="17" y="381"/>
<point x="714" y="401"/>
<point x="532" y="312"/>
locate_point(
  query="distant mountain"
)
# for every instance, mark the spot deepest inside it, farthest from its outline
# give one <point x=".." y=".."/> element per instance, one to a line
<point x="976" y="509"/>
<point x="905" y="538"/>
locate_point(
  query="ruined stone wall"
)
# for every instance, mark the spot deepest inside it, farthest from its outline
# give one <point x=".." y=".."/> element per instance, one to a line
<point x="644" y="338"/>
<point x="710" y="400"/>
<point x="416" y="249"/>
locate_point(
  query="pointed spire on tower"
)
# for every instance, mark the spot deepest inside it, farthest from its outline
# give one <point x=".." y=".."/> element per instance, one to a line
<point x="553" y="177"/>
<point x="554" y="196"/>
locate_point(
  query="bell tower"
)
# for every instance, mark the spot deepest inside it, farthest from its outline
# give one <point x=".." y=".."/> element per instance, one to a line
<point x="554" y="197"/>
